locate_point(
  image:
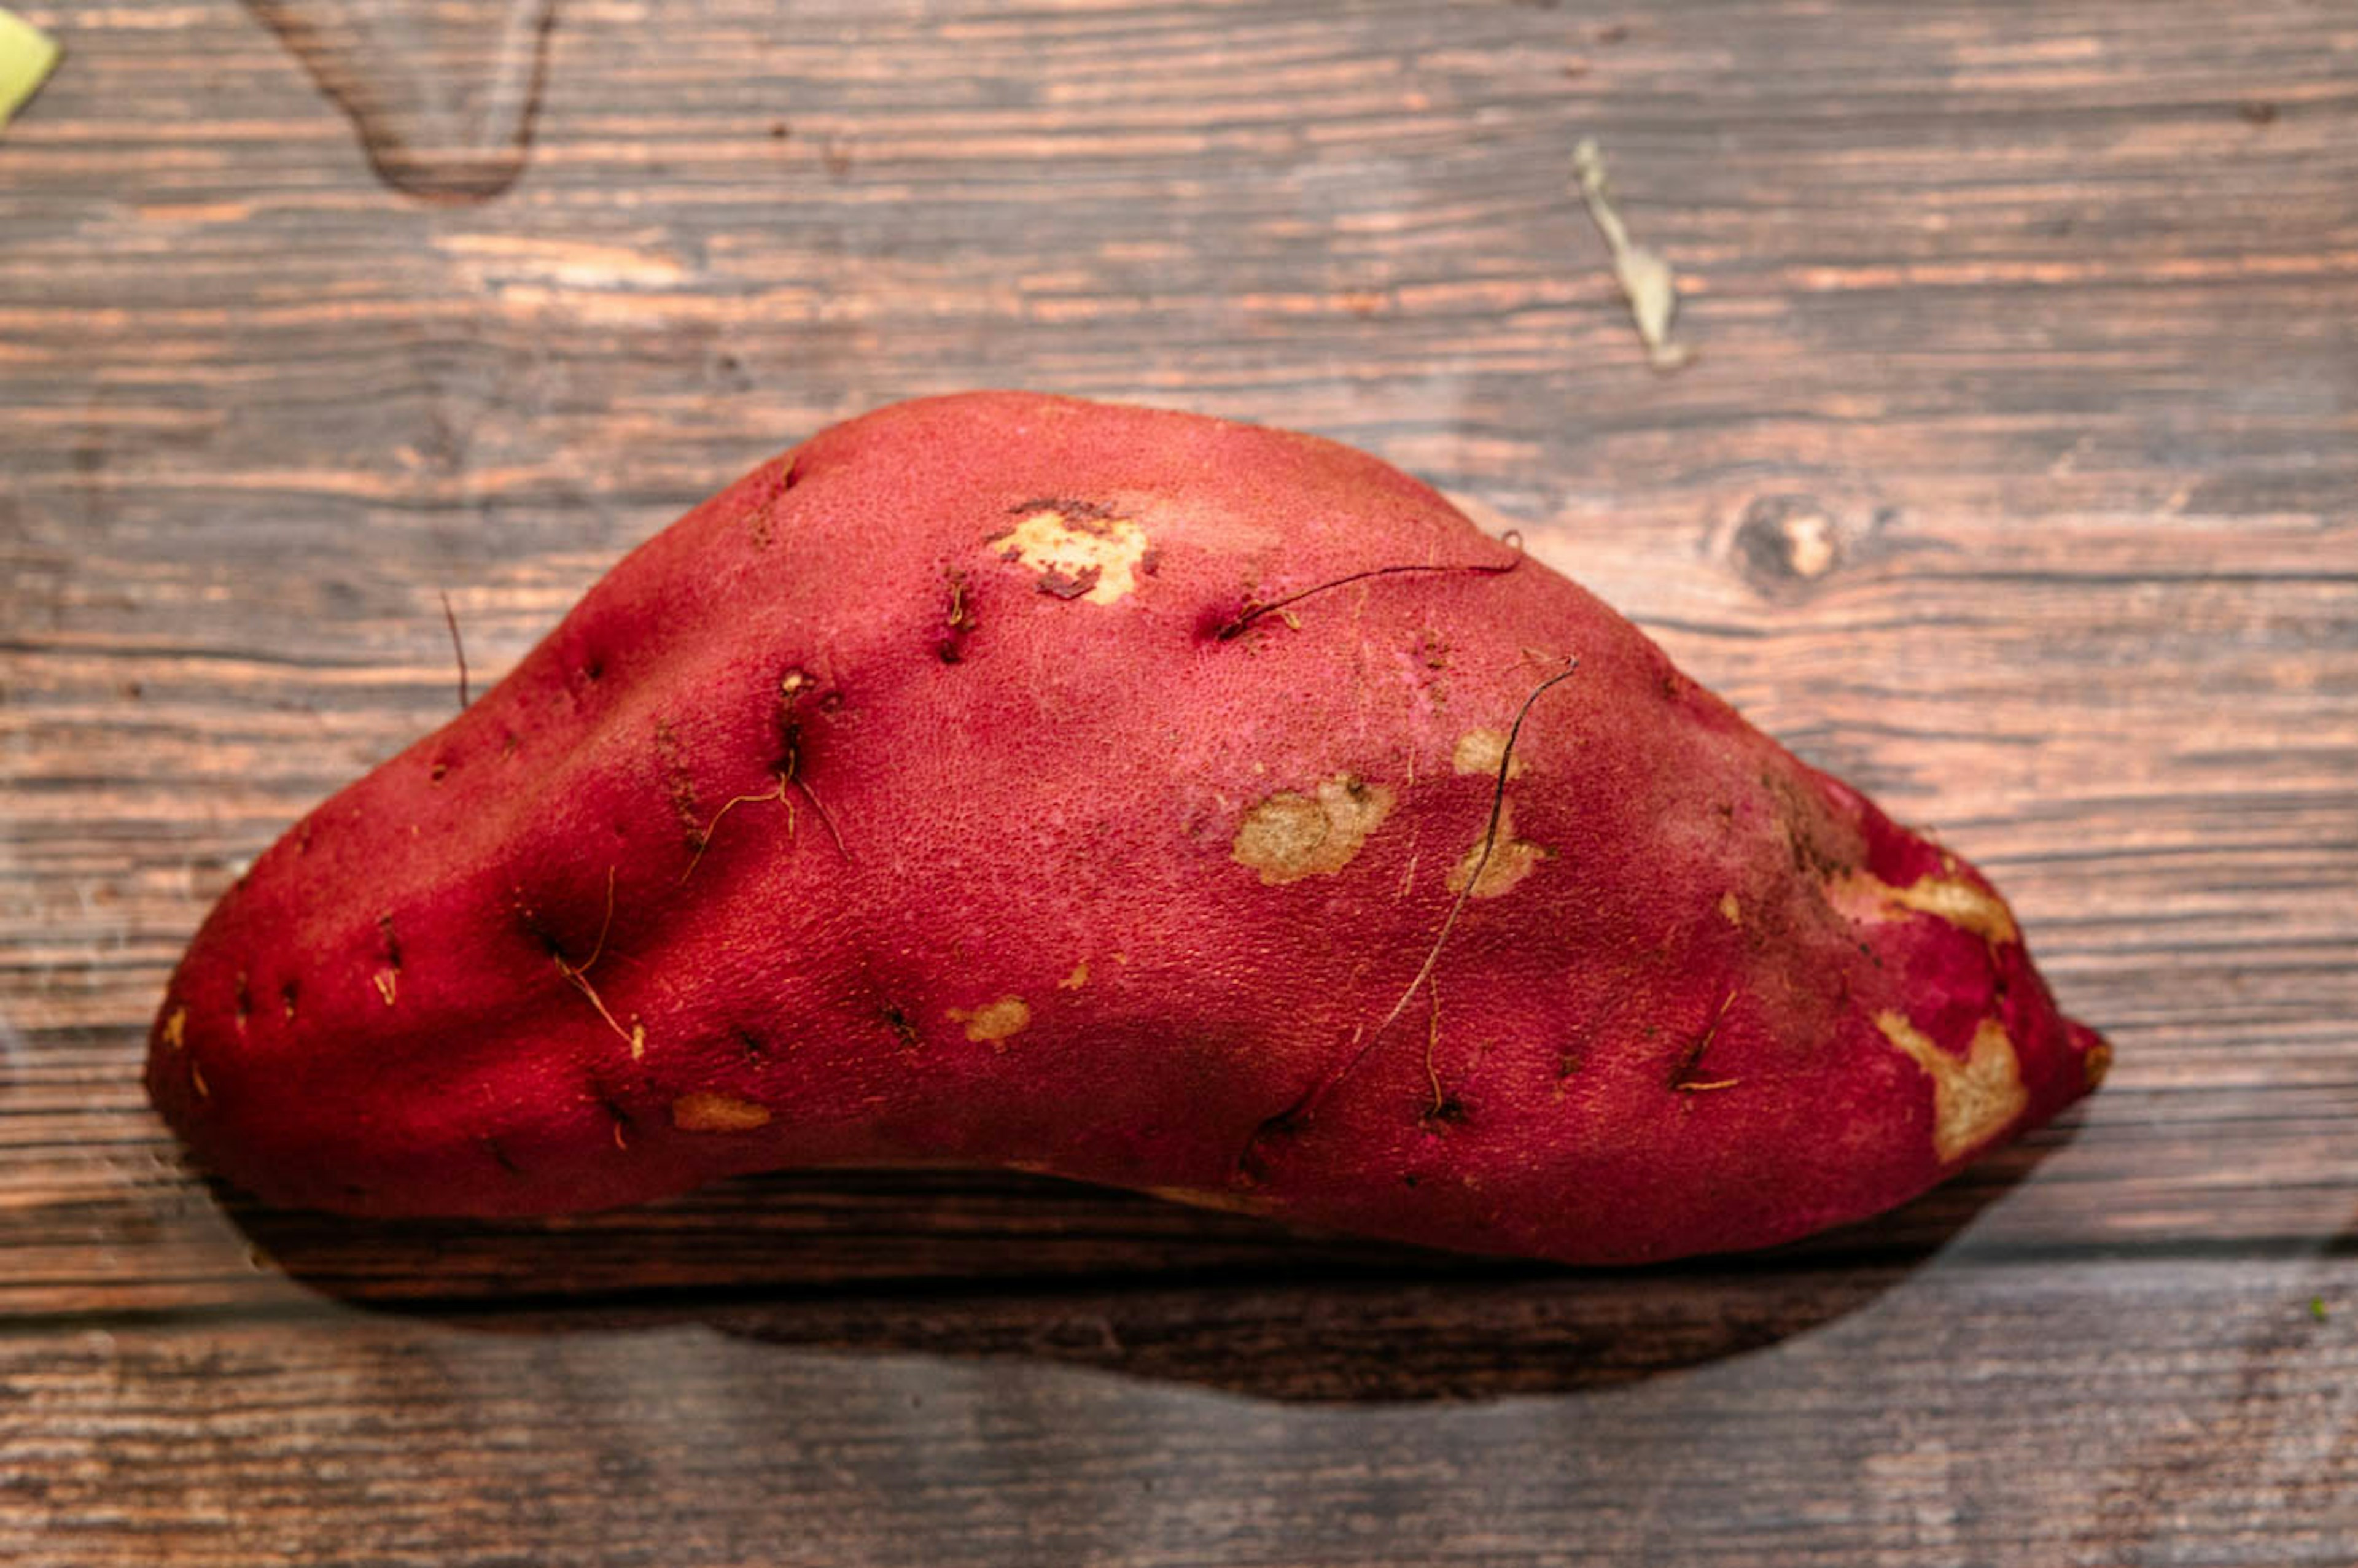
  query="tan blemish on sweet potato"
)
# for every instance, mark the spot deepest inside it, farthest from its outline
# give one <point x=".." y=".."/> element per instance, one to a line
<point x="176" y="1028"/>
<point x="1729" y="910"/>
<point x="1973" y="1100"/>
<point x="995" y="1022"/>
<point x="1289" y="836"/>
<point x="1080" y="552"/>
<point x="1961" y="904"/>
<point x="197" y="1080"/>
<point x="702" y="1112"/>
<point x="2095" y="1063"/>
<point x="1510" y="859"/>
<point x="388" y="984"/>
<point x="1866" y="899"/>
<point x="1077" y="980"/>
<point x="1480" y="752"/>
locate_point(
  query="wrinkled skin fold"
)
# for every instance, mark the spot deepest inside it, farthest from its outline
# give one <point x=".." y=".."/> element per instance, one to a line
<point x="1013" y="780"/>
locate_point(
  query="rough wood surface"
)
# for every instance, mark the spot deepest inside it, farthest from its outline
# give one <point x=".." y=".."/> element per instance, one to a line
<point x="2015" y="477"/>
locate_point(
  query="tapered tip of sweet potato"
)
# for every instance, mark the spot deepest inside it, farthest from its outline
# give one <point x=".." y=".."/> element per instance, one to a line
<point x="2094" y="1052"/>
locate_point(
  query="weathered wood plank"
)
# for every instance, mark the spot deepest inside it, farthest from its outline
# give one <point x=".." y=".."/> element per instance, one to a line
<point x="2074" y="1415"/>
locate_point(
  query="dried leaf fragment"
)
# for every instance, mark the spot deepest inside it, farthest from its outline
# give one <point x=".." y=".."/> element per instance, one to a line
<point x="1645" y="277"/>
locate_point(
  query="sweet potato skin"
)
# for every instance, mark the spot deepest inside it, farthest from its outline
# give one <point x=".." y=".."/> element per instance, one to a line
<point x="936" y="792"/>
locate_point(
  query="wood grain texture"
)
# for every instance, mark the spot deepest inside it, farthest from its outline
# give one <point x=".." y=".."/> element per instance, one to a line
<point x="2119" y="1412"/>
<point x="2042" y="320"/>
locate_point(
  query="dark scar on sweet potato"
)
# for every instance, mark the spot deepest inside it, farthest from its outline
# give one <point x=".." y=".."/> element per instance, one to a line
<point x="1059" y="584"/>
<point x="790" y="776"/>
<point x="957" y="621"/>
<point x="1088" y="517"/>
<point x="897" y="1020"/>
<point x="1686" y="1072"/>
<point x="619" y="1116"/>
<point x="577" y="975"/>
<point x="788" y="770"/>
<point x="1235" y="625"/>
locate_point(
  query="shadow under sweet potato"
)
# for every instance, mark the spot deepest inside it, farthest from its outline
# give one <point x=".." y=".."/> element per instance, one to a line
<point x="968" y="1264"/>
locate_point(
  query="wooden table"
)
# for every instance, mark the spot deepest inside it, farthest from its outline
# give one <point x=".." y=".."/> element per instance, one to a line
<point x="2015" y="477"/>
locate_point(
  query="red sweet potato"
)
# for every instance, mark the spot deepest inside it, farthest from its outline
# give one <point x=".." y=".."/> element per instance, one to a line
<point x="1127" y="795"/>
